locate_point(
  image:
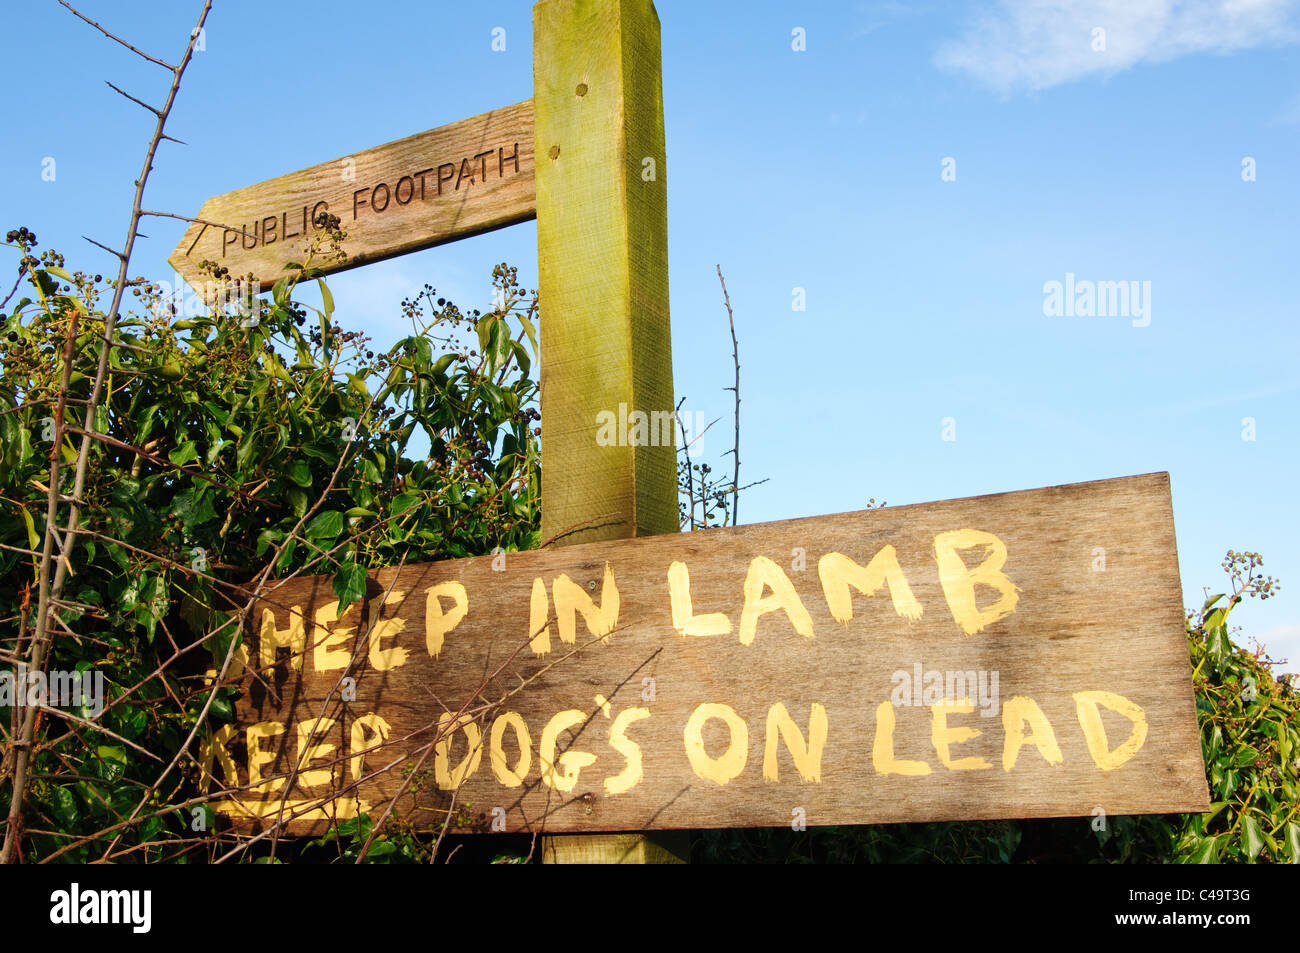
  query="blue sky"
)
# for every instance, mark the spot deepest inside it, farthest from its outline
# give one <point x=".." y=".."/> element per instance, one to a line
<point x="819" y="169"/>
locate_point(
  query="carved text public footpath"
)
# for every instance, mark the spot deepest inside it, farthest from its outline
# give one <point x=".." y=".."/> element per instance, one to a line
<point x="267" y="229"/>
<point x="437" y="186"/>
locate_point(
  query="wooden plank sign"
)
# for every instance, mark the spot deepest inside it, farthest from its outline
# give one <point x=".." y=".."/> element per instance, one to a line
<point x="1015" y="655"/>
<point x="438" y="186"/>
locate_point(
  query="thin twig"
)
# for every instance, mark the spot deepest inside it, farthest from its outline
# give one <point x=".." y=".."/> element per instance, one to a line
<point x="151" y="59"/>
<point x="735" y="355"/>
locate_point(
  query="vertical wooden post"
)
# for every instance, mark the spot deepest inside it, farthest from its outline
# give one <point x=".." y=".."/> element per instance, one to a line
<point x="602" y="243"/>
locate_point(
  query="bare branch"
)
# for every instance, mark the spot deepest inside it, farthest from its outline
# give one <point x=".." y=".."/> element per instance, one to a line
<point x="112" y="251"/>
<point x="138" y="102"/>
<point x="735" y="355"/>
<point x="151" y="59"/>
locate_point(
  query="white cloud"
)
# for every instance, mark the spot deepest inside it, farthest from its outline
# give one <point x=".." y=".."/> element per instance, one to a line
<point x="1027" y="45"/>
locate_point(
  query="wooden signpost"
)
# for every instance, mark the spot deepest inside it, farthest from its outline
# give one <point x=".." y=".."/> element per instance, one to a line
<point x="969" y="659"/>
<point x="437" y="186"/>
<point x="974" y="658"/>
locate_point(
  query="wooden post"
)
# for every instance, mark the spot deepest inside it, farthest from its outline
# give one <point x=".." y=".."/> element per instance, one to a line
<point x="602" y="242"/>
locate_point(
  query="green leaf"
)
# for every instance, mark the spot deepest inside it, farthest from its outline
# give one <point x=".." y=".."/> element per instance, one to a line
<point x="530" y="331"/>
<point x="113" y="760"/>
<point x="1252" y="837"/>
<point x="193" y="507"/>
<point x="1206" y="852"/>
<point x="65" y="807"/>
<point x="403" y="502"/>
<point x="1245" y="757"/>
<point x="286" y="557"/>
<point x="244" y="452"/>
<point x="299" y="472"/>
<point x="326" y="525"/>
<point x="183" y="454"/>
<point x="32" y="539"/>
<point x="326" y="298"/>
<point x="221" y="708"/>
<point x="349" y="585"/>
<point x="1291" y="836"/>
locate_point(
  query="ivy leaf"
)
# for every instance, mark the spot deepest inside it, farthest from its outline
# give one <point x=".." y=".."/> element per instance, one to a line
<point x="1252" y="837"/>
<point x="326" y="298"/>
<point x="1291" y="834"/>
<point x="326" y="525"/>
<point x="65" y="807"/>
<point x="184" y="453"/>
<point x="112" y="761"/>
<point x="1206" y="852"/>
<point x="193" y="507"/>
<point x="299" y="472"/>
<point x="403" y="502"/>
<point x="349" y="585"/>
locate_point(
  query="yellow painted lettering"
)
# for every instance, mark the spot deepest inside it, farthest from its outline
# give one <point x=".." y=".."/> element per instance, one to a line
<point x="437" y="623"/>
<point x="807" y="757"/>
<point x="539" y="629"/>
<point x="447" y="778"/>
<point x="257" y="758"/>
<point x="571" y="599"/>
<point x="293" y="638"/>
<point x="631" y="774"/>
<point x="945" y="736"/>
<point x="732" y="761"/>
<point x="571" y="762"/>
<point x="309" y="751"/>
<point x="838" y="572"/>
<point x="328" y="641"/>
<point x="214" y="748"/>
<point x="685" y="621"/>
<point x="765" y="574"/>
<point x="959" y="580"/>
<point x="1094" y="732"/>
<point x="510" y="777"/>
<point x="882" y="749"/>
<point x="384" y="659"/>
<point x="368" y="724"/>
<point x="1017" y="714"/>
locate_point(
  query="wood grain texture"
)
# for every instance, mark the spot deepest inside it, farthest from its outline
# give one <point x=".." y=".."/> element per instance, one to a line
<point x="603" y="266"/>
<point x="458" y="180"/>
<point x="1074" y="629"/>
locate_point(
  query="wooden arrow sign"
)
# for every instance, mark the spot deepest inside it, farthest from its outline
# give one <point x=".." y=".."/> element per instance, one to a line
<point x="1017" y="655"/>
<point x="451" y="182"/>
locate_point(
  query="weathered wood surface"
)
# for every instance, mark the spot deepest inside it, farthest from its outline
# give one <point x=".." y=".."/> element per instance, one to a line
<point x="1075" y="628"/>
<point x="458" y="180"/>
<point x="602" y="251"/>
